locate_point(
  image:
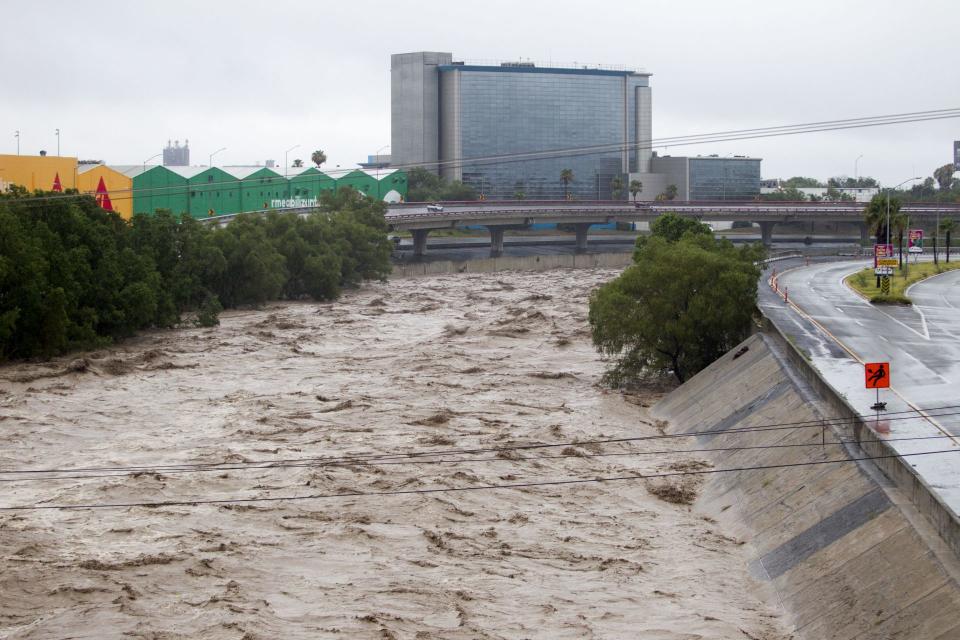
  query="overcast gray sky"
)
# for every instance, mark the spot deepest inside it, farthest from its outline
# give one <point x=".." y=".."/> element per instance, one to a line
<point x="120" y="78"/>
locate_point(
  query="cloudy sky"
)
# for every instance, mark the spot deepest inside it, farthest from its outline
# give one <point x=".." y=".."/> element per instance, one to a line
<point x="120" y="78"/>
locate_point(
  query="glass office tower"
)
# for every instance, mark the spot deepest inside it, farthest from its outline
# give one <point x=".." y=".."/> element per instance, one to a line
<point x="491" y="118"/>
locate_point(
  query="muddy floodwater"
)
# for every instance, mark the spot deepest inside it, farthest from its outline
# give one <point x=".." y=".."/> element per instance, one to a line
<point x="335" y="397"/>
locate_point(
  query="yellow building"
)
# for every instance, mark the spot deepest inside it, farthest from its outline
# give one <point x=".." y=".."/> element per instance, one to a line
<point x="117" y="188"/>
<point x="39" y="172"/>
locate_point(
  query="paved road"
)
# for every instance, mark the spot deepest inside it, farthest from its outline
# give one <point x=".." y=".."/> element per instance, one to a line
<point x="922" y="342"/>
<point x="838" y="331"/>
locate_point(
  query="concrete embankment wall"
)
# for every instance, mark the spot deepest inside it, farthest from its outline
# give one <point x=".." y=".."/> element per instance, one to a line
<point x="849" y="553"/>
<point x="513" y="263"/>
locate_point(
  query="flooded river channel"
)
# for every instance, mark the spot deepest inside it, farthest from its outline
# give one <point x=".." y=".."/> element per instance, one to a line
<point x="323" y="404"/>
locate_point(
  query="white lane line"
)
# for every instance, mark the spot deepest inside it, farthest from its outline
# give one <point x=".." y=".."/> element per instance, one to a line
<point x="860" y="323"/>
<point x="840" y="310"/>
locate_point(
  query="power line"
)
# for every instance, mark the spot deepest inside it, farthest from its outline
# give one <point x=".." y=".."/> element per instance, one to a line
<point x="692" y="139"/>
<point x="419" y="461"/>
<point x="519" y="485"/>
<point x="822" y="423"/>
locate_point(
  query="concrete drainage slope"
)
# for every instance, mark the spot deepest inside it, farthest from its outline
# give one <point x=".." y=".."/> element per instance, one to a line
<point x="844" y="550"/>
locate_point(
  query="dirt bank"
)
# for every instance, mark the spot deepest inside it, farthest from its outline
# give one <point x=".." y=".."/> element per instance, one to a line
<point x="438" y="363"/>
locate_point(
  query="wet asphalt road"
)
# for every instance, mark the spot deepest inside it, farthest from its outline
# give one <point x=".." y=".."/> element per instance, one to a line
<point x="922" y="342"/>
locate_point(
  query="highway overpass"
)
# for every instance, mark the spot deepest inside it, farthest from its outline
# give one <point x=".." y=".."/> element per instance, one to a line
<point x="501" y="216"/>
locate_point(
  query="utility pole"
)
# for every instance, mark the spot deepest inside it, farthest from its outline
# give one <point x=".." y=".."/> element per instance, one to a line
<point x="17" y="136"/>
<point x="58" y="143"/>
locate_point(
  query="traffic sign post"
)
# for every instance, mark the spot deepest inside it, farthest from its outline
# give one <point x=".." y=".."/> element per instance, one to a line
<point x="877" y="376"/>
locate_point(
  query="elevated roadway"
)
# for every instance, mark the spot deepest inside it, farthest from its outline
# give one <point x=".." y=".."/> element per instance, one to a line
<point x="500" y="216"/>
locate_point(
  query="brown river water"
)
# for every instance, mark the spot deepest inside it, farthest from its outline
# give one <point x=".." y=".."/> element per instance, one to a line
<point x="434" y="364"/>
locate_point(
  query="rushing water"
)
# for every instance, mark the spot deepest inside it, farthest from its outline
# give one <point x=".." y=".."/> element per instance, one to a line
<point x="433" y="364"/>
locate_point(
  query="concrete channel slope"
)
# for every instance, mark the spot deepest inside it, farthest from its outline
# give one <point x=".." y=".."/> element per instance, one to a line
<point x="848" y="551"/>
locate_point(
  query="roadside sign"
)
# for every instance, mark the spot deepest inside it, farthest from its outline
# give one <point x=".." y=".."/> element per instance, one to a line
<point x="915" y="237"/>
<point x="883" y="271"/>
<point x="881" y="252"/>
<point x="877" y="375"/>
<point x="885" y="285"/>
<point x="887" y="262"/>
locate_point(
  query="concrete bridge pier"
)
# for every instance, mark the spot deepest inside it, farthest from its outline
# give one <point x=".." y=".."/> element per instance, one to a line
<point x="496" y="241"/>
<point x="582" y="228"/>
<point x="864" y="233"/>
<point x="766" y="232"/>
<point x="420" y="242"/>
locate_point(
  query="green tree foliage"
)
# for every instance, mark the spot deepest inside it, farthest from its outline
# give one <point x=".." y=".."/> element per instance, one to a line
<point x="847" y="182"/>
<point x="798" y="182"/>
<point x="875" y="215"/>
<point x="616" y="187"/>
<point x="318" y="157"/>
<point x="944" y="176"/>
<point x="74" y="276"/>
<point x="787" y="194"/>
<point x="566" y="177"/>
<point x="635" y="188"/>
<point x="298" y="162"/>
<point x="670" y="193"/>
<point x="426" y="186"/>
<point x="684" y="303"/>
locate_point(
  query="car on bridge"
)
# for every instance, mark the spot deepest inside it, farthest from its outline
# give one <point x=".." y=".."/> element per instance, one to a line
<point x="435" y="208"/>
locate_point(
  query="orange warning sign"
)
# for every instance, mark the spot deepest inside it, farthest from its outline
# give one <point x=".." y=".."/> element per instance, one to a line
<point x="877" y="375"/>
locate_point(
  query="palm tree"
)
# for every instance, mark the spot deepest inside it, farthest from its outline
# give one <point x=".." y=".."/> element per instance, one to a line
<point x="875" y="215"/>
<point x="318" y="157"/>
<point x="671" y="192"/>
<point x="616" y="187"/>
<point x="947" y="226"/>
<point x="298" y="162"/>
<point x="635" y="188"/>
<point x="566" y="177"/>
<point x="899" y="222"/>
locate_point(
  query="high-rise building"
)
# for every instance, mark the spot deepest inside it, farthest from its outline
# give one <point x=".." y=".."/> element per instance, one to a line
<point x="176" y="156"/>
<point x="480" y="122"/>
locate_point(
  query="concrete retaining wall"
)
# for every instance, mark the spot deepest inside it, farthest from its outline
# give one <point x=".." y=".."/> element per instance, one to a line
<point x="513" y="263"/>
<point x="848" y="551"/>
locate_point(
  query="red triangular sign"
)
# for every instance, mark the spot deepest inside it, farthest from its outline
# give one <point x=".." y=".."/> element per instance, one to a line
<point x="103" y="198"/>
<point x="56" y="183"/>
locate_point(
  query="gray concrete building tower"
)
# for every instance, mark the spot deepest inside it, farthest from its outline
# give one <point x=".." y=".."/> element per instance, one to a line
<point x="415" y="107"/>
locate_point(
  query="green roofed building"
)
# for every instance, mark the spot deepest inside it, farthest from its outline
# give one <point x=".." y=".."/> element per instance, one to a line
<point x="156" y="187"/>
<point x="204" y="192"/>
<point x="361" y="181"/>
<point x="310" y="183"/>
<point x="393" y="186"/>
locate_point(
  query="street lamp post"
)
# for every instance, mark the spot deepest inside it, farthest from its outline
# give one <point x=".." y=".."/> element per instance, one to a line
<point x="285" y="163"/>
<point x="210" y="162"/>
<point x="856" y="174"/>
<point x="58" y="142"/>
<point x="376" y="159"/>
<point x="149" y="159"/>
<point x="16" y="135"/>
<point x="888" y="208"/>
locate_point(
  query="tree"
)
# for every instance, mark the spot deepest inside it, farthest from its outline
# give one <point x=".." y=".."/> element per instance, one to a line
<point x="789" y="194"/>
<point x="798" y="182"/>
<point x="947" y="226"/>
<point x="426" y="186"/>
<point x="681" y="306"/>
<point x="566" y="177"/>
<point x="616" y="187"/>
<point x="944" y="176"/>
<point x="671" y="192"/>
<point x="875" y="215"/>
<point x="318" y="157"/>
<point x="635" y="188"/>
<point x="519" y="192"/>
<point x="298" y="163"/>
